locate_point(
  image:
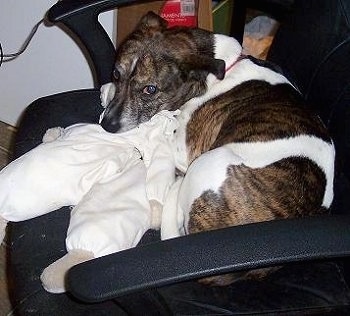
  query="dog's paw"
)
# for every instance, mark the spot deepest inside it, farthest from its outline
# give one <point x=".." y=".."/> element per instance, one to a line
<point x="221" y="280"/>
<point x="3" y="224"/>
<point x="52" y="134"/>
<point x="229" y="278"/>
<point x="54" y="275"/>
<point x="156" y="214"/>
<point x="107" y="93"/>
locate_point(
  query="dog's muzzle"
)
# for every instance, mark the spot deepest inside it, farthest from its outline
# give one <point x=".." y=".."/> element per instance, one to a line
<point x="110" y="120"/>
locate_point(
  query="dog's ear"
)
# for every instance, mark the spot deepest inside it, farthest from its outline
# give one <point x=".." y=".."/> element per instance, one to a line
<point x="207" y="64"/>
<point x="151" y="23"/>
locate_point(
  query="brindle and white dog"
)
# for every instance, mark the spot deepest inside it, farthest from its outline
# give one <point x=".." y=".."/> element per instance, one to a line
<point x="249" y="148"/>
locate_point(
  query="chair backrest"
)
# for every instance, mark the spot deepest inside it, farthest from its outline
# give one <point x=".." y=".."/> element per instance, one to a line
<point x="313" y="48"/>
<point x="81" y="19"/>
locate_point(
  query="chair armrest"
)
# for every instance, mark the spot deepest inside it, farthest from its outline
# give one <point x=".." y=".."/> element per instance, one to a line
<point x="81" y="18"/>
<point x="209" y="253"/>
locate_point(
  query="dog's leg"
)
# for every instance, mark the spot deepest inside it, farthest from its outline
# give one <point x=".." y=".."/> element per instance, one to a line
<point x="220" y="191"/>
<point x="201" y="187"/>
<point x="198" y="197"/>
<point x="3" y="224"/>
<point x="107" y="94"/>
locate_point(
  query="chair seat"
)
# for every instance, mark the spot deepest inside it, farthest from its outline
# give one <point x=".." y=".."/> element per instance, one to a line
<point x="294" y="288"/>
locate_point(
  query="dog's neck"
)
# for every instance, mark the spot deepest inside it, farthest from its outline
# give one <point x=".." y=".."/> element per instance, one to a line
<point x="238" y="70"/>
<point x="229" y="67"/>
<point x="229" y="50"/>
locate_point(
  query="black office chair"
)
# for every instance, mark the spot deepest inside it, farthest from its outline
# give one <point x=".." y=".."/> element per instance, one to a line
<point x="159" y="277"/>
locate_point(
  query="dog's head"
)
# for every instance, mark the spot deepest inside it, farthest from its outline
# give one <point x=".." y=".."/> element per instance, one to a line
<point x="159" y="68"/>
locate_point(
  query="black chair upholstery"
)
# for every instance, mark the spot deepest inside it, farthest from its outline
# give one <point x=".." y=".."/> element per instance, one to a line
<point x="159" y="278"/>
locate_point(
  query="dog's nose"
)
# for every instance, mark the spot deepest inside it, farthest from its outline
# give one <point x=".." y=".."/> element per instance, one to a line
<point x="110" y="118"/>
<point x="110" y="125"/>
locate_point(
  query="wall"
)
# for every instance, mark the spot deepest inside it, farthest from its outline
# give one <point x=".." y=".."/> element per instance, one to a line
<point x="52" y="62"/>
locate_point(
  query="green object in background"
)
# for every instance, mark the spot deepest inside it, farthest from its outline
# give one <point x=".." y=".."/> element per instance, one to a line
<point x="222" y="14"/>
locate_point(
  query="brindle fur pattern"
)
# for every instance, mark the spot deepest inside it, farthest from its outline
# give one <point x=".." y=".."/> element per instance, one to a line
<point x="249" y="195"/>
<point x="177" y="61"/>
<point x="251" y="112"/>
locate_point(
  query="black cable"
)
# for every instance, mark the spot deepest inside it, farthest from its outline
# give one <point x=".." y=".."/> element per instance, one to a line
<point x="1" y="55"/>
<point x="8" y="57"/>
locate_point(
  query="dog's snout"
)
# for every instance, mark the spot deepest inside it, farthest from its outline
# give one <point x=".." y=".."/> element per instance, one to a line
<point x="110" y="119"/>
<point x="110" y="124"/>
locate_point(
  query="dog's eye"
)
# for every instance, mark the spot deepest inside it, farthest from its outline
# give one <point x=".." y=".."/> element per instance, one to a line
<point x="116" y="74"/>
<point x="149" y="89"/>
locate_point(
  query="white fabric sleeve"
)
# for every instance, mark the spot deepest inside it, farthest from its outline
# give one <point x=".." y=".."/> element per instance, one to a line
<point x="158" y="156"/>
<point x="60" y="172"/>
<point x="113" y="215"/>
<point x="172" y="225"/>
<point x="160" y="174"/>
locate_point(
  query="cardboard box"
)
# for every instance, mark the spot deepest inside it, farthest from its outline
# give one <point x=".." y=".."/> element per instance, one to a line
<point x="128" y="16"/>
